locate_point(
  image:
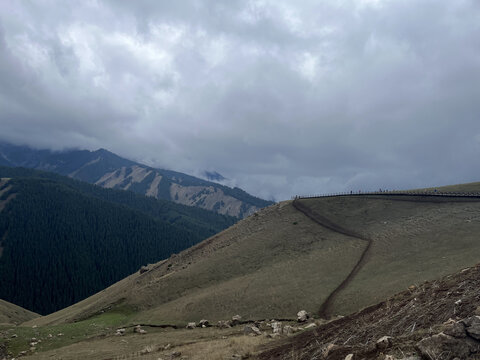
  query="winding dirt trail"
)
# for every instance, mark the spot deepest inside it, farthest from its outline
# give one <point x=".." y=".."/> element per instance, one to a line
<point x="323" y="221"/>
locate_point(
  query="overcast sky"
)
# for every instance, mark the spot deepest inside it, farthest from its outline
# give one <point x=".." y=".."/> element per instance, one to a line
<point x="282" y="97"/>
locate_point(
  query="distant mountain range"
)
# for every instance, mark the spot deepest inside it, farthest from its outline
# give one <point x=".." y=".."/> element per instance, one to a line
<point x="108" y="170"/>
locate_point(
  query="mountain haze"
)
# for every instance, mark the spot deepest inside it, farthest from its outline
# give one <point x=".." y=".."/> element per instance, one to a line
<point x="108" y="170"/>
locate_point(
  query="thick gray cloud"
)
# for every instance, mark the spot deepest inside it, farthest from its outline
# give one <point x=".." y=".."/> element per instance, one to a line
<point x="281" y="97"/>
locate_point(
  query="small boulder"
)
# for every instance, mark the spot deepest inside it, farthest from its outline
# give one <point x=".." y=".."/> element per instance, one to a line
<point x="384" y="342"/>
<point x="251" y="330"/>
<point x="236" y="319"/>
<point x="349" y="357"/>
<point x="143" y="269"/>
<point x="191" y="325"/>
<point x="138" y="329"/>
<point x="204" y="323"/>
<point x="120" y="332"/>
<point x="310" y="326"/>
<point x="303" y="316"/>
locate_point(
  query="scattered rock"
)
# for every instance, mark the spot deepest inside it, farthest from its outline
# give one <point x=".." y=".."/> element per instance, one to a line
<point x="222" y="324"/>
<point x="477" y="311"/>
<point x="60" y="334"/>
<point x="236" y="319"/>
<point x="168" y="346"/>
<point x="277" y="327"/>
<point x="412" y="287"/>
<point x="251" y="330"/>
<point x="147" y="350"/>
<point x="303" y="316"/>
<point x="175" y="354"/>
<point x="384" y="342"/>
<point x="204" y="323"/>
<point x="289" y="330"/>
<point x="14" y="336"/>
<point x="120" y="332"/>
<point x="328" y="349"/>
<point x="138" y="329"/>
<point x="191" y="325"/>
<point x="349" y="357"/>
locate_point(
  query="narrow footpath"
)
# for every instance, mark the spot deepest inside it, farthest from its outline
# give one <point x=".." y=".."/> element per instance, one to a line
<point x="324" y="310"/>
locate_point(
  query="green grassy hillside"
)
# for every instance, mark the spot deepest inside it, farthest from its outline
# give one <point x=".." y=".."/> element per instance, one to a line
<point x="13" y="314"/>
<point x="279" y="261"/>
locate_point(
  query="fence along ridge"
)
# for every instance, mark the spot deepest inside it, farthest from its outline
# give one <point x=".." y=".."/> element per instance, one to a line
<point x="390" y="193"/>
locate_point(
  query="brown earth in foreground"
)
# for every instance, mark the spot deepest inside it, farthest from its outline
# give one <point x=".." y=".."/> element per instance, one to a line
<point x="408" y="317"/>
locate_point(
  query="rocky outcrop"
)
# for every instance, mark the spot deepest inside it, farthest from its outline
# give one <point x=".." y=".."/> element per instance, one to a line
<point x="458" y="340"/>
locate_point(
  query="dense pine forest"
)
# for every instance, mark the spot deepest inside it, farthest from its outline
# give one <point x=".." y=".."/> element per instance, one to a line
<point x="63" y="240"/>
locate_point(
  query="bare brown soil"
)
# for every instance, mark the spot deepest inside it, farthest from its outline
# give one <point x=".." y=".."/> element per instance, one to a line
<point x="408" y="317"/>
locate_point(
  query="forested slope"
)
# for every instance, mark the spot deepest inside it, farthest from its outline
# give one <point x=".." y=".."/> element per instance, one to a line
<point x="63" y="240"/>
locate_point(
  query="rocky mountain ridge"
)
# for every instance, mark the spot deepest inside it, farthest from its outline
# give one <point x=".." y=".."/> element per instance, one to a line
<point x="109" y="170"/>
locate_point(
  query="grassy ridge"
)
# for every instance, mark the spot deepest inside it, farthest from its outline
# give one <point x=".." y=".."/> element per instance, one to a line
<point x="13" y="314"/>
<point x="414" y="240"/>
<point x="268" y="265"/>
